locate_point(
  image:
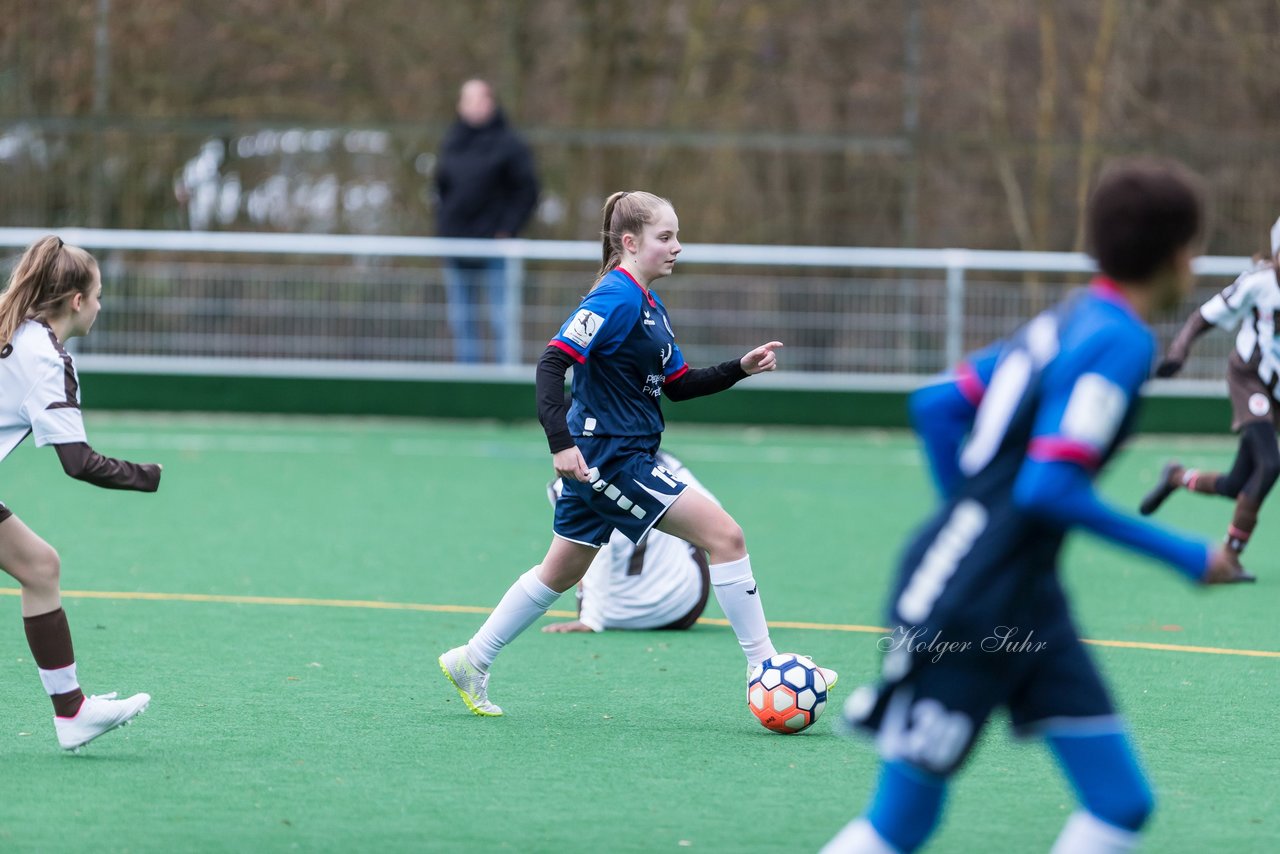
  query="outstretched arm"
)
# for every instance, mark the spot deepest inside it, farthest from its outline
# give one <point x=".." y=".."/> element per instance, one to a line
<point x="84" y="463"/>
<point x="584" y="614"/>
<point x="699" y="382"/>
<point x="1225" y="309"/>
<point x="1178" y="351"/>
<point x="1086" y="398"/>
<point x="1062" y="492"/>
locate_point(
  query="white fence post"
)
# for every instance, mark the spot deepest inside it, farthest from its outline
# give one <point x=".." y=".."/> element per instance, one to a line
<point x="954" y="336"/>
<point x="512" y="308"/>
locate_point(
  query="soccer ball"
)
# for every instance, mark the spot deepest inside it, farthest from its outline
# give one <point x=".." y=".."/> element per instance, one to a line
<point x="786" y="693"/>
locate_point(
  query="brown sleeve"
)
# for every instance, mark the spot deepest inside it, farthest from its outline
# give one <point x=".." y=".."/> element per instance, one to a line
<point x="1195" y="326"/>
<point x="84" y="463"/>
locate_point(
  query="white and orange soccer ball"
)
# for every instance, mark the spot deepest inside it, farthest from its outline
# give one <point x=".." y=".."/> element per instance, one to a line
<point x="786" y="693"/>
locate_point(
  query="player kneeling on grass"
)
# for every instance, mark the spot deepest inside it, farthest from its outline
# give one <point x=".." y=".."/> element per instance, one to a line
<point x="661" y="583"/>
<point x="1251" y="302"/>
<point x="54" y="295"/>
<point x="980" y="581"/>
<point x="622" y="347"/>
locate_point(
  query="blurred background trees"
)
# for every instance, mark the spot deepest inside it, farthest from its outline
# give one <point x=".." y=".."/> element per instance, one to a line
<point x="848" y="122"/>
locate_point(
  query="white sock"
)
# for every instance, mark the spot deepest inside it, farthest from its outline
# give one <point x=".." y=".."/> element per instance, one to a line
<point x="1085" y="833"/>
<point x="526" y="601"/>
<point x="858" y="837"/>
<point x="739" y="598"/>
<point x="60" y="681"/>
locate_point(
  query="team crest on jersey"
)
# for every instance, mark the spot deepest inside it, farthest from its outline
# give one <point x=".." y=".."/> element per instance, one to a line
<point x="667" y="352"/>
<point x="583" y="328"/>
<point x="1259" y="404"/>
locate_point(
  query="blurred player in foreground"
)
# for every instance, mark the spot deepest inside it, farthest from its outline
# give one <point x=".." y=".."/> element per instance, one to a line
<point x="981" y="620"/>
<point x="54" y="295"/>
<point x="662" y="583"/>
<point x="1251" y="302"/>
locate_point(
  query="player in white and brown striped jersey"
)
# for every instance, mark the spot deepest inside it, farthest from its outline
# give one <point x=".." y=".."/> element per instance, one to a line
<point x="1252" y="303"/>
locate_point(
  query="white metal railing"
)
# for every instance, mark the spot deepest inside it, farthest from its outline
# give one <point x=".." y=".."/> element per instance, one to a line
<point x="954" y="266"/>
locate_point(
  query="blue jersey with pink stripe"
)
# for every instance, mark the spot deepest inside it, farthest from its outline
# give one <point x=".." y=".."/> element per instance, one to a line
<point x="1014" y="437"/>
<point x="1064" y="388"/>
<point x="625" y="349"/>
<point x="1026" y="426"/>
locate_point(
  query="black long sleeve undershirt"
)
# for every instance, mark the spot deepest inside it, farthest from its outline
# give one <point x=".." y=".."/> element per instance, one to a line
<point x="84" y="463"/>
<point x="553" y="409"/>
<point x="699" y="382"/>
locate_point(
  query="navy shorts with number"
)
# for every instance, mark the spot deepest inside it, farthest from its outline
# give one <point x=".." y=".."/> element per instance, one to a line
<point x="629" y="491"/>
<point x="982" y="649"/>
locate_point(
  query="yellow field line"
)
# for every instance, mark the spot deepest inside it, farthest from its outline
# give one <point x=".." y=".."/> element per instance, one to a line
<point x="1177" y="647"/>
<point x="274" y="600"/>
<point x="476" y="609"/>
<point x="813" y="627"/>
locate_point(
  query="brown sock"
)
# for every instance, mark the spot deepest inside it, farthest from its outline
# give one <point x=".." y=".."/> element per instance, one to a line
<point x="49" y="637"/>
<point x="1242" y="523"/>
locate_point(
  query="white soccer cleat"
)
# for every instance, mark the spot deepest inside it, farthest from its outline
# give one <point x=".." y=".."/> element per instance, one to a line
<point x="98" y="715"/>
<point x="470" y="682"/>
<point x="827" y="673"/>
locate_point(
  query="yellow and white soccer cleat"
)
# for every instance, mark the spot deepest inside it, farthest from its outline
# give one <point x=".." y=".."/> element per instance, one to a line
<point x="827" y="673"/>
<point x="472" y="685"/>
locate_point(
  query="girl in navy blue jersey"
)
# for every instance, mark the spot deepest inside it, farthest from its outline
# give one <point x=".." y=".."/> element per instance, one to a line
<point x="622" y="346"/>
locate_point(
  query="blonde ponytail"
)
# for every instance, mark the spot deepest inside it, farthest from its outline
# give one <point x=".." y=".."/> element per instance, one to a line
<point x="625" y="212"/>
<point x="48" y="273"/>
<point x="610" y="256"/>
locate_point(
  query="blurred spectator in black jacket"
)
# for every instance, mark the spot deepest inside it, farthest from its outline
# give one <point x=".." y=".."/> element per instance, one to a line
<point x="486" y="188"/>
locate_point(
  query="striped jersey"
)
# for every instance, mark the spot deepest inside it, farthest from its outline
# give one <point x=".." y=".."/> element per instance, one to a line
<point x="39" y="390"/>
<point x="1251" y="302"/>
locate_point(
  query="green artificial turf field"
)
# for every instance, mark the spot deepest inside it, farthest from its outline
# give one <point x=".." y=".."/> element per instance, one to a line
<point x="290" y="712"/>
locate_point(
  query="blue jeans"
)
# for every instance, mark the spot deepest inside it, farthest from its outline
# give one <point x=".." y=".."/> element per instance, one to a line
<point x="465" y="279"/>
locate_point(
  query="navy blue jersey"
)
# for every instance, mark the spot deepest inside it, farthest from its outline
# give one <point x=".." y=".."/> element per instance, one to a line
<point x="980" y="618"/>
<point x="1064" y="389"/>
<point x="625" y="349"/>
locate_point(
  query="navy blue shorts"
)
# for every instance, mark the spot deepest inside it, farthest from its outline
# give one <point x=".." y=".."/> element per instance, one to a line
<point x="941" y="684"/>
<point x="629" y="491"/>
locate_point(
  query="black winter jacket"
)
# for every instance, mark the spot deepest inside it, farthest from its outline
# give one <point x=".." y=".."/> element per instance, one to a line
<point x="485" y="181"/>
